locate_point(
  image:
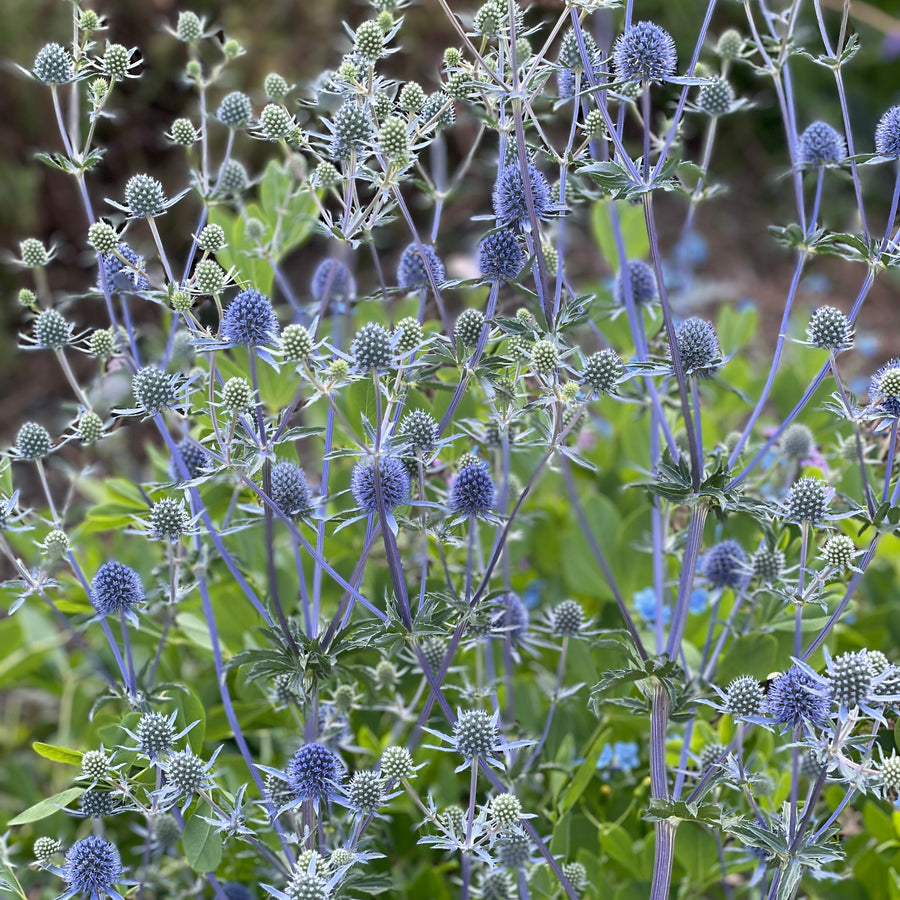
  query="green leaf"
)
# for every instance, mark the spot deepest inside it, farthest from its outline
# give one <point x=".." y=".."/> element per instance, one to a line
<point x="753" y="654"/>
<point x="202" y="845"/>
<point x="192" y="710"/>
<point x="586" y="771"/>
<point x="58" y="754"/>
<point x="47" y="807"/>
<point x="631" y="224"/>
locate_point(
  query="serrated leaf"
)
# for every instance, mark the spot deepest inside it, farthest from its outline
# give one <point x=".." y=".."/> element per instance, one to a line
<point x="58" y="754"/>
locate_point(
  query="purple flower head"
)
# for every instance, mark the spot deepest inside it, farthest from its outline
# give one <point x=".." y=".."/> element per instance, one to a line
<point x="643" y="283"/>
<point x="645" y="52"/>
<point x="473" y="490"/>
<point x="334" y="278"/>
<point x="313" y="773"/>
<point x="250" y="320"/>
<point x="413" y="269"/>
<point x="884" y="388"/>
<point x="887" y="134"/>
<point x="121" y="277"/>
<point x="510" y="203"/>
<point x="795" y="699"/>
<point x="290" y="492"/>
<point x="234" y="890"/>
<point x="116" y="588"/>
<point x="395" y="484"/>
<point x="92" y="866"/>
<point x="821" y="145"/>
<point x="500" y="255"/>
<point x="698" y="346"/>
<point x="725" y="565"/>
<point x="196" y="460"/>
<point x="513" y="618"/>
<point x="571" y="61"/>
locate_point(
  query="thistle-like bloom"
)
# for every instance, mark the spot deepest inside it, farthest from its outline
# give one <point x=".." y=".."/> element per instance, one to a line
<point x="144" y="196"/>
<point x="821" y="145"/>
<point x="194" y="458"/>
<point x="475" y="733"/>
<point x="645" y="52"/>
<point x="186" y="775"/>
<point x="643" y="283"/>
<point x="567" y="619"/>
<point x="313" y="773"/>
<point x="698" y="346"/>
<point x="472" y="493"/>
<point x="413" y="268"/>
<point x="830" y="329"/>
<point x="290" y="492"/>
<point x="887" y="134"/>
<point x="744" y="697"/>
<point x="116" y="588"/>
<point x="124" y="277"/>
<point x="884" y="389"/>
<point x="500" y="255"/>
<point x="571" y="62"/>
<point x="250" y="320"/>
<point x="154" y="389"/>
<point x="394" y="481"/>
<point x="725" y="565"/>
<point x="794" y="699"/>
<point x="332" y="279"/>
<point x="513" y="618"/>
<point x="365" y="791"/>
<point x="807" y="500"/>
<point x="92" y="867"/>
<point x="510" y="202"/>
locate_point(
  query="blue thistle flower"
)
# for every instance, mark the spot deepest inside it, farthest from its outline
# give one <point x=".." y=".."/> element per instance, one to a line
<point x="92" y="866"/>
<point x="887" y="134"/>
<point x="509" y="195"/>
<point x="412" y="270"/>
<point x="725" y="565"/>
<point x="395" y="484"/>
<point x="513" y="619"/>
<point x="196" y="460"/>
<point x="313" y="773"/>
<point x="122" y="278"/>
<point x="290" y="492"/>
<point x="570" y="62"/>
<point x="645" y="52"/>
<point x="565" y="84"/>
<point x="792" y="700"/>
<point x="821" y="145"/>
<point x="250" y="320"/>
<point x="473" y="490"/>
<point x="234" y="890"/>
<point x="116" y="588"/>
<point x="884" y="388"/>
<point x="332" y="275"/>
<point x="500" y="255"/>
<point x="698" y="346"/>
<point x="643" y="283"/>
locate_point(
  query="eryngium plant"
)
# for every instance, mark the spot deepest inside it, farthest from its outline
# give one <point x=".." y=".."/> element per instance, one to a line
<point x="335" y="626"/>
